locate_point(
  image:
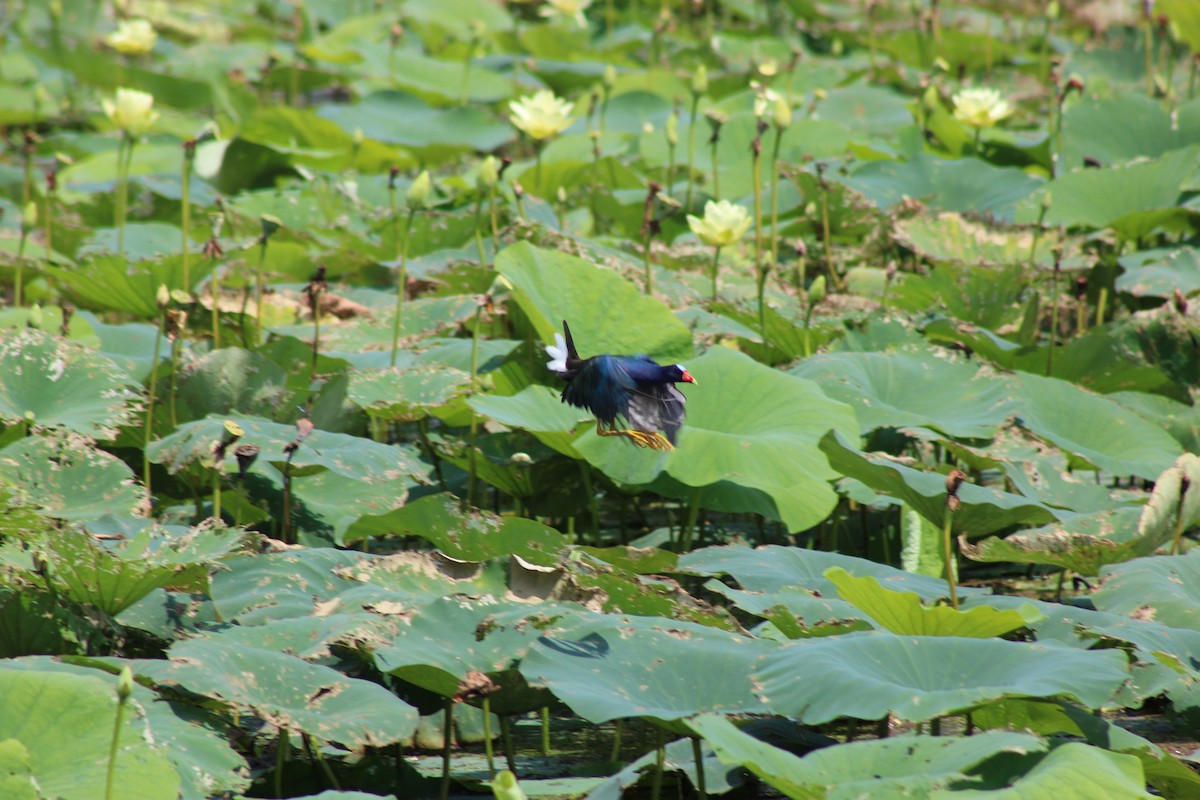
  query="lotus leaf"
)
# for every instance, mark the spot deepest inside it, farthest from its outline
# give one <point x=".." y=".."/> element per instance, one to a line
<point x="286" y="692"/>
<point x="608" y="668"/>
<point x="38" y="706"/>
<point x="67" y="478"/>
<point x="870" y="675"/>
<point x="55" y="383"/>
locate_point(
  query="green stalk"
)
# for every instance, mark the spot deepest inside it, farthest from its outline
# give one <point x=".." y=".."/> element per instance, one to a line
<point x="948" y="555"/>
<point x="759" y="270"/>
<point x="447" y="736"/>
<point x="646" y="261"/>
<point x="216" y="493"/>
<point x="487" y="737"/>
<point x="401" y="285"/>
<point x="175" y="346"/>
<point x="123" y="692"/>
<point x="124" y="157"/>
<point x="510" y="753"/>
<point x="189" y="155"/>
<point x="474" y="435"/>
<point x="314" y="747"/>
<point x="162" y="319"/>
<point x="1053" y="319"/>
<point x="716" y="173"/>
<point x="1184" y="488"/>
<point x="692" y="150"/>
<point x="716" y="260"/>
<point x="281" y="748"/>
<point x="260" y="287"/>
<point x="660" y="755"/>
<point x="697" y="756"/>
<point x="775" y="197"/>
<point x="685" y="538"/>
<point x="545" y="730"/>
<point x="18" y="290"/>
<point x="615" y="755"/>
<point x="537" y="173"/>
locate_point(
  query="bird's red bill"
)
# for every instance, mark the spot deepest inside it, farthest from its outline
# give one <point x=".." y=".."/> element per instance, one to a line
<point x="687" y="378"/>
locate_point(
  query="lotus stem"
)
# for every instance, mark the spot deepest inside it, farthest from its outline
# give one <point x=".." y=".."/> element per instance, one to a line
<point x="216" y="492"/>
<point x="510" y="755"/>
<point x="1053" y="315"/>
<point x="660" y="756"/>
<point x="775" y="196"/>
<point x="124" y="689"/>
<point x="685" y="536"/>
<point x="401" y="285"/>
<point x="281" y="748"/>
<point x="537" y="160"/>
<point x="593" y="505"/>
<point x="698" y="757"/>
<point x="260" y="287"/>
<point x="189" y="157"/>
<point x="716" y="172"/>
<point x="1101" y="302"/>
<point x="124" y="158"/>
<point x="487" y="737"/>
<point x="692" y="151"/>
<point x="447" y="736"/>
<point x="649" y="279"/>
<point x="474" y="434"/>
<point x="716" y="260"/>
<point x="1180" y="522"/>
<point x="618" y="728"/>
<point x="314" y="747"/>
<point x="162" y="324"/>
<point x="953" y="481"/>
<point x="759" y="269"/>
<point x="545" y="730"/>
<point x="18" y="289"/>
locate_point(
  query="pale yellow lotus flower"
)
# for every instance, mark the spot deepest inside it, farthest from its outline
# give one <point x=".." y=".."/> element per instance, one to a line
<point x="723" y="224"/>
<point x="567" y="9"/>
<point x="541" y="115"/>
<point x="980" y="108"/>
<point x="132" y="111"/>
<point x="134" y="37"/>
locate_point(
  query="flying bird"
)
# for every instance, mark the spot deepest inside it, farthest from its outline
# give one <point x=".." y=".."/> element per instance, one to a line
<point x="631" y="396"/>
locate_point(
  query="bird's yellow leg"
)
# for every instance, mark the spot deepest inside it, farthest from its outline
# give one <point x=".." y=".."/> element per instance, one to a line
<point x="655" y="441"/>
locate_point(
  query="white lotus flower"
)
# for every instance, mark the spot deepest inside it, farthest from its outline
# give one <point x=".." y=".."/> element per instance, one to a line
<point x="980" y="108"/>
<point x="558" y="354"/>
<point x="132" y="111"/>
<point x="723" y="223"/>
<point x="134" y="37"/>
<point x="541" y="115"/>
<point x="567" y="9"/>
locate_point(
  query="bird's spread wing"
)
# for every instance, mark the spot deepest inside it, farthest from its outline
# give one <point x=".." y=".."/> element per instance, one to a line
<point x="656" y="407"/>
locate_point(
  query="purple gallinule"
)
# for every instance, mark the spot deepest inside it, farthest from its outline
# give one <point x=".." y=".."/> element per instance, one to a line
<point x="631" y="396"/>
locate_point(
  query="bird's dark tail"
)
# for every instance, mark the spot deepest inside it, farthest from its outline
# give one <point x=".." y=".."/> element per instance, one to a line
<point x="572" y="354"/>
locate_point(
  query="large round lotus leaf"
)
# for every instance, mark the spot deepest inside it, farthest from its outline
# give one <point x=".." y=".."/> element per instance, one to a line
<point x="352" y="456"/>
<point x="1166" y="589"/>
<point x="38" y="709"/>
<point x="748" y="425"/>
<point x="192" y="739"/>
<point x="287" y="692"/>
<point x="966" y="184"/>
<point x="1093" y="428"/>
<point x="612" y="667"/>
<point x="892" y="390"/>
<point x="406" y="394"/>
<point x="551" y="287"/>
<point x="1134" y="199"/>
<point x="1083" y="543"/>
<point x="16" y="774"/>
<point x="869" y="675"/>
<point x="773" y="568"/>
<point x="902" y="612"/>
<point x="448" y="639"/>
<point x="1073" y="771"/>
<point x="1160" y="272"/>
<point x="67" y="478"/>
<point x="231" y="379"/>
<point x="402" y="119"/>
<point x="983" y="510"/>
<point x="1147" y="130"/>
<point x="56" y="383"/>
<point x="251" y="590"/>
<point x="951" y="237"/>
<point x="901" y="766"/>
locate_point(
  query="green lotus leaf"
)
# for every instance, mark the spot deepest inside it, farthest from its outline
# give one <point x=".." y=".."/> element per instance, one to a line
<point x="33" y="623"/>
<point x="193" y="740"/>
<point x="1073" y="770"/>
<point x="1185" y="19"/>
<point x="114" y="578"/>
<point x="406" y="394"/>
<point x="899" y="766"/>
<point x="1160" y="272"/>
<point x="16" y="774"/>
<point x="286" y="691"/>
<point x="870" y="675"/>
<point x="231" y="380"/>
<point x="67" y="478"/>
<point x="351" y="456"/>
<point x="54" y="383"/>
<point x="989" y="298"/>
<point x="439" y="134"/>
<point x="1165" y="589"/>
<point x="1134" y="200"/>
<point x="37" y="707"/>
<point x="608" y="668"/>
<point x="252" y="590"/>
<point x="965" y="185"/>
<point x="1147" y="131"/>
<point x="795" y="611"/>
<point x="1082" y="543"/>
<point x="774" y="568"/>
<point x="748" y="425"/>
<point x="983" y="509"/>
<point x="1096" y="430"/>
<point x="892" y="390"/>
<point x="902" y="612"/>
<point x="551" y="287"/>
<point x="951" y="237"/>
<point x="448" y="639"/>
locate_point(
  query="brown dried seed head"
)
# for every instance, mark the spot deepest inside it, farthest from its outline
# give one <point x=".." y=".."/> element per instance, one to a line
<point x="954" y="480"/>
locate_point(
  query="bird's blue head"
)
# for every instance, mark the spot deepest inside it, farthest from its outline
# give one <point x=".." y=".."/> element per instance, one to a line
<point x="677" y="374"/>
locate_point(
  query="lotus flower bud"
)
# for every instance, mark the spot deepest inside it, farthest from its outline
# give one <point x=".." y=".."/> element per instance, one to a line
<point x="489" y="173"/>
<point x="29" y="216"/>
<point x="673" y="129"/>
<point x="125" y="683"/>
<point x="162" y="297"/>
<point x="700" y="81"/>
<point x="610" y="77"/>
<point x="783" y="113"/>
<point x="816" y="291"/>
<point x="419" y="191"/>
